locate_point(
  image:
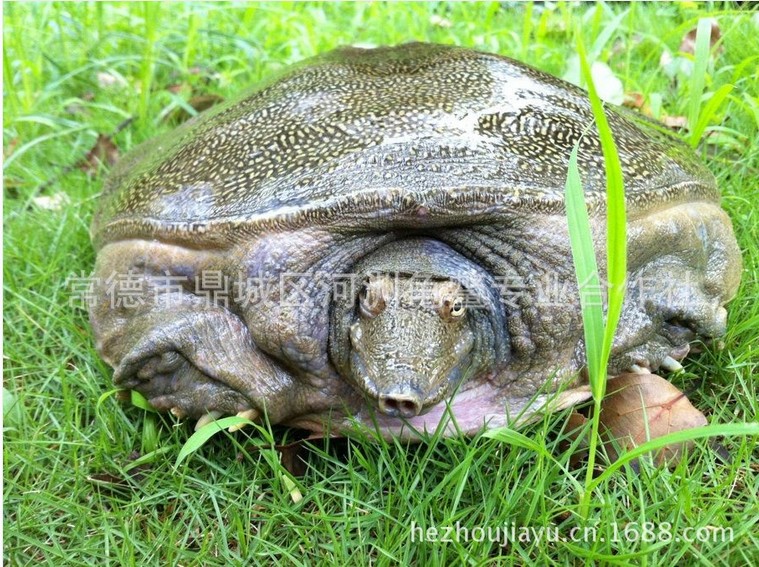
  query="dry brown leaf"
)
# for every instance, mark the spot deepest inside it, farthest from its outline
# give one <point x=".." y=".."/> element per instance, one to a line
<point x="675" y="122"/>
<point x="107" y="80"/>
<point x="203" y="102"/>
<point x="52" y="202"/>
<point x="688" y="44"/>
<point x="10" y="147"/>
<point x="176" y="88"/>
<point x="293" y="457"/>
<point x="440" y="21"/>
<point x="103" y="152"/>
<point x="76" y="109"/>
<point x="199" y="103"/>
<point x="639" y="407"/>
<point x="634" y="100"/>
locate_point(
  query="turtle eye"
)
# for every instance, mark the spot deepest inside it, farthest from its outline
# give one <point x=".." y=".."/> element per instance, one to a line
<point x="370" y="300"/>
<point x="452" y="308"/>
<point x="457" y="307"/>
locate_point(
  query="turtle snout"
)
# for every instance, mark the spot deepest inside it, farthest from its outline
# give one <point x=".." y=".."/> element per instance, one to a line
<point x="401" y="398"/>
<point x="401" y="403"/>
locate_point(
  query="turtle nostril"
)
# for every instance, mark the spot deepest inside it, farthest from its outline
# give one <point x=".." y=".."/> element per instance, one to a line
<point x="403" y="405"/>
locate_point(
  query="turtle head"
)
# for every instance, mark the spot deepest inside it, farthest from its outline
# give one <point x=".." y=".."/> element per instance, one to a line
<point x="410" y="343"/>
<point x="419" y="321"/>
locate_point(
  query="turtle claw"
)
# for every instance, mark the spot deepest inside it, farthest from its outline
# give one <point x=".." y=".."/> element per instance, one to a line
<point x="250" y="414"/>
<point x="178" y="412"/>
<point x="211" y="416"/>
<point x="671" y="365"/>
<point x="636" y="369"/>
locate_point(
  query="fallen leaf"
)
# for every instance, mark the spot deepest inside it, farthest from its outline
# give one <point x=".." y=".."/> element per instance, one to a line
<point x="76" y="109"/>
<point x="104" y="152"/>
<point x="107" y="80"/>
<point x="52" y="202"/>
<point x="176" y="88"/>
<point x="198" y="103"/>
<point x="204" y="102"/>
<point x="440" y="21"/>
<point x="634" y="100"/>
<point x="293" y="457"/>
<point x="688" y="44"/>
<point x="109" y="481"/>
<point x="640" y="407"/>
<point x="675" y="122"/>
<point x="10" y="147"/>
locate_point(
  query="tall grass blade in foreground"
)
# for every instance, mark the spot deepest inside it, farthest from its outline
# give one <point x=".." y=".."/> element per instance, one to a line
<point x="700" y="113"/>
<point x="586" y="272"/>
<point x="599" y="336"/>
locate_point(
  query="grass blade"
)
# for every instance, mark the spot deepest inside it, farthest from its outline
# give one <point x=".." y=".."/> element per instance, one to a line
<point x="616" y="221"/>
<point x="586" y="270"/>
<point x="199" y="438"/>
<point x="717" y="430"/>
<point x="140" y="401"/>
<point x="709" y="110"/>
<point x="698" y="76"/>
<point x="516" y="439"/>
<point x="616" y="266"/>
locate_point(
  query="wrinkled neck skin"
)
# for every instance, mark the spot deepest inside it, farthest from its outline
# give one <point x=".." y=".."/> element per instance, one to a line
<point x="422" y="319"/>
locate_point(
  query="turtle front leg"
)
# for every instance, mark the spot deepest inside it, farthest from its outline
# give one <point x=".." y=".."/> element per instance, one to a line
<point x="197" y="360"/>
<point x="184" y="353"/>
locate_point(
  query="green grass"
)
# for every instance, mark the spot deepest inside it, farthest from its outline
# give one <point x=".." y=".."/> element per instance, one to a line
<point x="74" y="492"/>
<point x="599" y="331"/>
